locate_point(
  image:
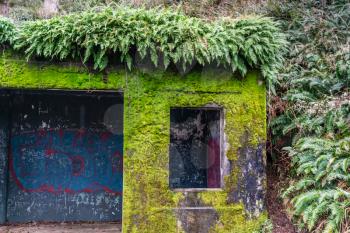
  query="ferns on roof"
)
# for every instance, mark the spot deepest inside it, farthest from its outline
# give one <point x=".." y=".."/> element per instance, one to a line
<point x="7" y="31"/>
<point x="241" y="44"/>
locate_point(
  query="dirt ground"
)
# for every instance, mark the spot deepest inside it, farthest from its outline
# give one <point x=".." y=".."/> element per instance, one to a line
<point x="275" y="208"/>
<point x="63" y="228"/>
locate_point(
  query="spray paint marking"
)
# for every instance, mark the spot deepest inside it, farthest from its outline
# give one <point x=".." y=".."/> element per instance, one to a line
<point x="67" y="161"/>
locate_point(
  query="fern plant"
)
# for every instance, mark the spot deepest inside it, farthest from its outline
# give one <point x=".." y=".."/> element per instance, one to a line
<point x="168" y="36"/>
<point x="323" y="191"/>
<point x="7" y="31"/>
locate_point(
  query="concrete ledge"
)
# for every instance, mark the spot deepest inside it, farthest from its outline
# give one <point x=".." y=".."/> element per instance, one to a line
<point x="63" y="228"/>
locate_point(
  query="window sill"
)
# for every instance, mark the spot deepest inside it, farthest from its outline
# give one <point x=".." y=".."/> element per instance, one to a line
<point x="197" y="189"/>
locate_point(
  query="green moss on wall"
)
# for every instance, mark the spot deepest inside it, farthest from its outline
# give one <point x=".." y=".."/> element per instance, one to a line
<point x="148" y="203"/>
<point x="147" y="127"/>
<point x="18" y="74"/>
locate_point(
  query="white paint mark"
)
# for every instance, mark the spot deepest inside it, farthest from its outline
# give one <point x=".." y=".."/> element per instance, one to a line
<point x="30" y="207"/>
<point x="43" y="124"/>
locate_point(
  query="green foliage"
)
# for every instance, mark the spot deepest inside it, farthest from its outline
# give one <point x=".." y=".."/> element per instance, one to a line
<point x="314" y="88"/>
<point x="165" y="36"/>
<point x="7" y="31"/>
<point x="266" y="227"/>
<point x="323" y="190"/>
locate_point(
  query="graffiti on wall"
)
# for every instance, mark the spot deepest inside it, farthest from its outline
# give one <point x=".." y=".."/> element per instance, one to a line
<point x="69" y="161"/>
<point x="65" y="157"/>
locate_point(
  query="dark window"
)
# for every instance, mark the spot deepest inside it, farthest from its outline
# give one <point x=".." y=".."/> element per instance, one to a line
<point x="195" y="148"/>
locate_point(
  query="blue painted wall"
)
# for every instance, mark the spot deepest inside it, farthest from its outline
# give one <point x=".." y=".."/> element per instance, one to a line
<point x="65" y="176"/>
<point x="65" y="158"/>
<point x="3" y="155"/>
<point x="70" y="161"/>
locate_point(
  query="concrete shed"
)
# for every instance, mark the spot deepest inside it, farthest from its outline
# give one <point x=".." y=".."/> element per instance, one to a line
<point x="176" y="149"/>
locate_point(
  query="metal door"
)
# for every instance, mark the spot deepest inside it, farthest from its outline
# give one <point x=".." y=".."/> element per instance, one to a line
<point x="65" y="157"/>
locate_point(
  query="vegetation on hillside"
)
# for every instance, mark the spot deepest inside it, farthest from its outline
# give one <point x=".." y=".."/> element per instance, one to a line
<point x="312" y="107"/>
<point x="33" y="9"/>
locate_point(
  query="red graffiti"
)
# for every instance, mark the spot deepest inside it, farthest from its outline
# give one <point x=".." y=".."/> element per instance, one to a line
<point x="39" y="162"/>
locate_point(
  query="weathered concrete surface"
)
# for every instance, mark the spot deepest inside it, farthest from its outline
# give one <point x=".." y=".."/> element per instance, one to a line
<point x="251" y="181"/>
<point x="4" y="116"/>
<point x="63" y="228"/>
<point x="194" y="215"/>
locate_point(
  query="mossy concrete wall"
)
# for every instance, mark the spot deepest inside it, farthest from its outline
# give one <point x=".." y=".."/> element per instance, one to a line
<point x="148" y="203"/>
